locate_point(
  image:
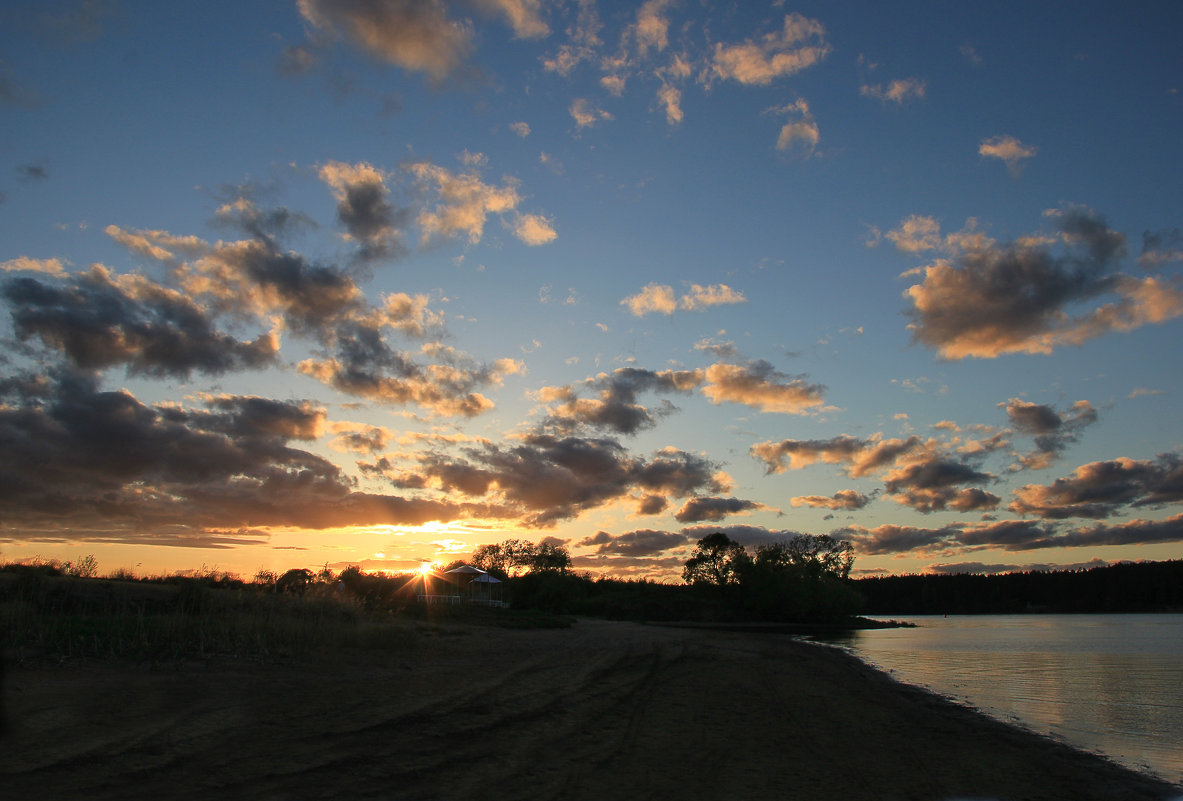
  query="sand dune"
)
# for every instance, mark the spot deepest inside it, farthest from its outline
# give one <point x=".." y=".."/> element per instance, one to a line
<point x="599" y="711"/>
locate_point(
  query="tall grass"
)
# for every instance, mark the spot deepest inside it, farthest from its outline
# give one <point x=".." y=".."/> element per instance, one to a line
<point x="56" y="618"/>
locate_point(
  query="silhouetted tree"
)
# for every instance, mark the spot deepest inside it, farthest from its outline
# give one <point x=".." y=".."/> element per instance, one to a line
<point x="295" y="581"/>
<point x="717" y="561"/>
<point x="550" y="557"/>
<point x="512" y="557"/>
<point x="814" y="553"/>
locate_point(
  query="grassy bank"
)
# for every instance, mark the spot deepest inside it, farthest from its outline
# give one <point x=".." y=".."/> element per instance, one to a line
<point x="48" y="618"/>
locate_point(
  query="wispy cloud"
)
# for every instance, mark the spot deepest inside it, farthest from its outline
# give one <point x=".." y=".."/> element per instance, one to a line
<point x="898" y="91"/>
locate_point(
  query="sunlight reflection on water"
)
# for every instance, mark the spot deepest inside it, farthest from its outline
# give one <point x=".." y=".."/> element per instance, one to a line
<point x="1104" y="683"/>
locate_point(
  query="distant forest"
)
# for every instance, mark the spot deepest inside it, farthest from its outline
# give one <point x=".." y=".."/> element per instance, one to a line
<point x="1127" y="587"/>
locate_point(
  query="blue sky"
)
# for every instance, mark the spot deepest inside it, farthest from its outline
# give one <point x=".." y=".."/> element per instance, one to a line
<point x="377" y="281"/>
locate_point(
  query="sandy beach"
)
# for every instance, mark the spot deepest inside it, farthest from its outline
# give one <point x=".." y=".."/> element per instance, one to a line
<point x="602" y="710"/>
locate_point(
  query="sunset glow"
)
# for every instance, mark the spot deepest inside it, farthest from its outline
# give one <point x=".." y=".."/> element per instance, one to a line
<point x="366" y="286"/>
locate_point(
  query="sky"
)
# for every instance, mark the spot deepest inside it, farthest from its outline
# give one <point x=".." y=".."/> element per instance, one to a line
<point x="374" y="282"/>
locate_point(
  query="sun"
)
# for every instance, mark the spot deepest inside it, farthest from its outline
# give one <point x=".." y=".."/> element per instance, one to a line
<point x="425" y="568"/>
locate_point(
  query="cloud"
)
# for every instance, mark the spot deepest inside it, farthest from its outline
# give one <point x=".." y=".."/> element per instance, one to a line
<point x="534" y="229"/>
<point x="33" y="172"/>
<point x="653" y="298"/>
<point x="584" y="39"/>
<point x="652" y="505"/>
<point x="848" y="500"/>
<point x="798" y="45"/>
<point x="416" y="35"/>
<point x="1053" y="431"/>
<point x="720" y="350"/>
<point x="916" y="234"/>
<point x="1012" y="535"/>
<point x="758" y="385"/>
<point x="359" y="437"/>
<point x="651" y="29"/>
<point x="642" y="542"/>
<point x="897" y="91"/>
<point x="586" y="113"/>
<point x="1009" y="150"/>
<point x="364" y="208"/>
<point x="696" y="510"/>
<point x="99" y="320"/>
<point x="670" y="98"/>
<point x="102" y="466"/>
<point x="1161" y="247"/>
<point x="859" y="456"/>
<point x="802" y="131"/>
<point x="891" y="538"/>
<point x="465" y="201"/>
<point x="702" y="297"/>
<point x="23" y="264"/>
<point x="524" y="16"/>
<point x="544" y="479"/>
<point x="1134" y="532"/>
<point x="158" y="245"/>
<point x="1016" y="298"/>
<point x="296" y="60"/>
<point x="407" y="314"/>
<point x="1100" y="489"/>
<point x="254" y="277"/>
<point x="981" y="568"/>
<point x="615" y="407"/>
<point x="365" y="365"/>
<point x="660" y="298"/>
<point x="930" y="484"/>
<point x="748" y="536"/>
<point x="522" y="129"/>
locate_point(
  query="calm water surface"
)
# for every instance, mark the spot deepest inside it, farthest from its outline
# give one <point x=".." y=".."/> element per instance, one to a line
<point x="1105" y="683"/>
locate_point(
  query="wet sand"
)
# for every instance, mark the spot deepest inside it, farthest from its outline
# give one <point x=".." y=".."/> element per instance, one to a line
<point x="599" y="711"/>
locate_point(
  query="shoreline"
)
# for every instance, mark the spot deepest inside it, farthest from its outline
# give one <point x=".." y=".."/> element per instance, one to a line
<point x="602" y="710"/>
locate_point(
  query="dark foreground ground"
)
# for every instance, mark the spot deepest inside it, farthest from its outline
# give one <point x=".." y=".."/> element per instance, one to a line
<point x="599" y="711"/>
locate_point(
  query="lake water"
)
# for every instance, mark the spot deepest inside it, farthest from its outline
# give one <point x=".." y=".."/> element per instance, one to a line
<point x="1111" y="684"/>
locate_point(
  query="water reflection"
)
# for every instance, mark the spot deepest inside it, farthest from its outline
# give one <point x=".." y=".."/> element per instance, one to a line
<point x="1105" y="683"/>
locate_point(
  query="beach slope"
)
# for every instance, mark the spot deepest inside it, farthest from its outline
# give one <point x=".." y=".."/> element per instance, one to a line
<point x="599" y="711"/>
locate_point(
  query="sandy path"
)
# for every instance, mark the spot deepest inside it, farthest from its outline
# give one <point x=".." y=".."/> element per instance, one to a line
<point x="600" y="711"/>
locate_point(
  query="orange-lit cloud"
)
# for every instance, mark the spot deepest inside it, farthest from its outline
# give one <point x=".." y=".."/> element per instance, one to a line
<point x="1009" y="150"/>
<point x="109" y="468"/>
<point x="660" y="298"/>
<point x="801" y="130"/>
<point x="1016" y="298"/>
<point x="586" y="113"/>
<point x="416" y="36"/>
<point x="758" y="385"/>
<point x="1100" y="489"/>
<point x="524" y="16"/>
<point x="547" y="478"/>
<point x="157" y="245"/>
<point x="798" y="45"/>
<point x="24" y="264"/>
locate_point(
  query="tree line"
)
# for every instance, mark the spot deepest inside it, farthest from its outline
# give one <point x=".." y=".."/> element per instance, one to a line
<point x="1124" y="587"/>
